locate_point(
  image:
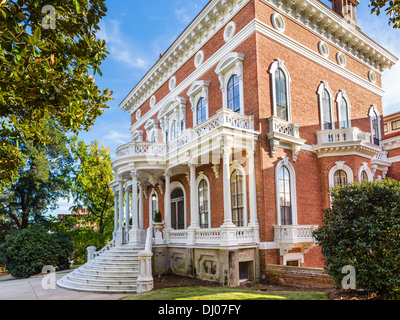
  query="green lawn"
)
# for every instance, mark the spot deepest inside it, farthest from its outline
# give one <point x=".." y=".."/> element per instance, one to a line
<point x="216" y="293"/>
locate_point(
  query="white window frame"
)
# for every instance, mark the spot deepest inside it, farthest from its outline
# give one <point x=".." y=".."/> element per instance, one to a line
<point x="153" y="192"/>
<point x="371" y="113"/>
<point x="198" y="90"/>
<point x="173" y="110"/>
<point x="236" y="166"/>
<point x="229" y="66"/>
<point x="151" y="128"/>
<point x="199" y="179"/>
<point x="286" y="163"/>
<point x="322" y="87"/>
<point x="364" y="167"/>
<point x="342" y="95"/>
<point x="340" y="165"/>
<point x="279" y="64"/>
<point x="176" y="185"/>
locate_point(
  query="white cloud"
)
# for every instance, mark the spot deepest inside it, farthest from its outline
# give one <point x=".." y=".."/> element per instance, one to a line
<point x="117" y="137"/>
<point x="121" y="49"/>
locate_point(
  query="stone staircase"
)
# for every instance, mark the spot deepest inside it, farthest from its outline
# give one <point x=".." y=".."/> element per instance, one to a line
<point x="114" y="271"/>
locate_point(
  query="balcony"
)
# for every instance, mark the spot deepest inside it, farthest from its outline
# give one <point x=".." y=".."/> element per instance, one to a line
<point x="344" y="142"/>
<point x="285" y="135"/>
<point x="291" y="237"/>
<point x="225" y="122"/>
<point x="215" y="237"/>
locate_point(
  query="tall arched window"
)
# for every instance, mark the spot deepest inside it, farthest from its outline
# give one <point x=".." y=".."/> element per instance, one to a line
<point x="201" y="111"/>
<point x="340" y="178"/>
<point x="375" y="129"/>
<point x="285" y="197"/>
<point x="203" y="204"/>
<point x="234" y="94"/>
<point x="281" y="95"/>
<point x="237" y="194"/>
<point x="173" y="130"/>
<point x="344" y="114"/>
<point x="327" y="116"/>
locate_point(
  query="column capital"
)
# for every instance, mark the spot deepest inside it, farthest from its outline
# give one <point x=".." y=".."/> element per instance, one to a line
<point x="167" y="173"/>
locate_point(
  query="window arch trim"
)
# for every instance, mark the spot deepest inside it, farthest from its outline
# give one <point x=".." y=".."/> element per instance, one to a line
<point x="280" y="65"/>
<point x="373" y="111"/>
<point x="286" y="163"/>
<point x="343" y="96"/>
<point x="200" y="178"/>
<point x="340" y="165"/>
<point x="236" y="166"/>
<point x="324" y="86"/>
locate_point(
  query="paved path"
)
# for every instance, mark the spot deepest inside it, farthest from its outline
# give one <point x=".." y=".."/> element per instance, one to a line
<point x="32" y="289"/>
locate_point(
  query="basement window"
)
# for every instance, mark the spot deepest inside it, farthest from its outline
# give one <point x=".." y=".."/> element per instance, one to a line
<point x="244" y="271"/>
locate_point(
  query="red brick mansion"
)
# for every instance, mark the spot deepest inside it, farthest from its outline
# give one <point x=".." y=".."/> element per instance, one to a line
<point x="240" y="129"/>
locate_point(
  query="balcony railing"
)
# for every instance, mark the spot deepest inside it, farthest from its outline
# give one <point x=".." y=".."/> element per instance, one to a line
<point x="294" y="234"/>
<point x="348" y="140"/>
<point x="343" y="135"/>
<point x="242" y="235"/>
<point x="284" y="133"/>
<point x="223" y="118"/>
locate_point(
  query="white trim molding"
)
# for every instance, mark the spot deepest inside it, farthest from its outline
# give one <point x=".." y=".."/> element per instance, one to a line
<point x="275" y="66"/>
<point x="340" y="96"/>
<point x="199" y="179"/>
<point x="324" y="86"/>
<point x="198" y="90"/>
<point x="365" y="168"/>
<point x="230" y="65"/>
<point x="340" y="165"/>
<point x="293" y="190"/>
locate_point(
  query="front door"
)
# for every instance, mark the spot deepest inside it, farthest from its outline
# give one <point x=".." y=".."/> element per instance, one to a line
<point x="178" y="209"/>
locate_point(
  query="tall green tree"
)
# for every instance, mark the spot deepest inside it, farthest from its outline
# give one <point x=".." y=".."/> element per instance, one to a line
<point x="90" y="189"/>
<point x="392" y="9"/>
<point x="48" y="56"/>
<point x="42" y="180"/>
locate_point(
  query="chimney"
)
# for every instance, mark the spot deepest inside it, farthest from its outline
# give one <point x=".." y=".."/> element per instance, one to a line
<point x="347" y="9"/>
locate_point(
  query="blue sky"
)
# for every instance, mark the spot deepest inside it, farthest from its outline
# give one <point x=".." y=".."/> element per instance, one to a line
<point x="137" y="32"/>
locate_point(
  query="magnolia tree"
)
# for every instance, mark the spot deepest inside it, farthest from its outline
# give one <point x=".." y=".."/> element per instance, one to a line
<point x="361" y="232"/>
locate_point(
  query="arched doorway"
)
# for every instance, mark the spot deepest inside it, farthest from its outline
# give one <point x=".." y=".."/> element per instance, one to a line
<point x="178" y="209"/>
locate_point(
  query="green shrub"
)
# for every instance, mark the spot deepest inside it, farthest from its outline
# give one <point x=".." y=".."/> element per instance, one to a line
<point x="28" y="251"/>
<point x="362" y="229"/>
<point x="157" y="217"/>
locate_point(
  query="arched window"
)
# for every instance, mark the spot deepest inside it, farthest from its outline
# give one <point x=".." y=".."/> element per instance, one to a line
<point x="167" y="136"/>
<point x="237" y="194"/>
<point x="364" y="177"/>
<point x="344" y="114"/>
<point x="327" y="116"/>
<point x="234" y="94"/>
<point x="340" y="178"/>
<point x="153" y="205"/>
<point x="201" y="111"/>
<point x="375" y="129"/>
<point x="173" y="130"/>
<point x="285" y="197"/>
<point x="281" y="95"/>
<point x="203" y="204"/>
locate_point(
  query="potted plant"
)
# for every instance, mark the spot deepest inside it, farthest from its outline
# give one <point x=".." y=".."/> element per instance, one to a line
<point x="158" y="224"/>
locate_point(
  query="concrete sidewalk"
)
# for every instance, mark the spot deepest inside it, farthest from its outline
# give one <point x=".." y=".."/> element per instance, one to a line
<point x="32" y="289"/>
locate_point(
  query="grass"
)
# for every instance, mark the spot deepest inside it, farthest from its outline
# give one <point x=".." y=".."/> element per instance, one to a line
<point x="216" y="293"/>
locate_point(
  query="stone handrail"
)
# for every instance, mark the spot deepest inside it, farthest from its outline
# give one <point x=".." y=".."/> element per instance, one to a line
<point x="145" y="280"/>
<point x="92" y="253"/>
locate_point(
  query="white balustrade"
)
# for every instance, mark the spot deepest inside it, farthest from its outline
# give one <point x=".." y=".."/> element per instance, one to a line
<point x="211" y="236"/>
<point x="342" y="135"/>
<point x="294" y="234"/>
<point x="223" y="118"/>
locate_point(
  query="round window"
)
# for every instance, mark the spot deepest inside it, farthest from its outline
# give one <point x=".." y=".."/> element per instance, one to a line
<point x="341" y="59"/>
<point x="323" y="49"/>
<point x="278" y="22"/>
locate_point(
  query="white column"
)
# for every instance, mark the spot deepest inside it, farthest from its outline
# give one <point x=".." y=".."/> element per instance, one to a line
<point x="167" y="206"/>
<point x="135" y="235"/>
<point x="134" y="200"/>
<point x="115" y="213"/>
<point x="121" y="203"/>
<point x="127" y="213"/>
<point x="253" y="196"/>
<point x="141" y="214"/>
<point x="194" y="212"/>
<point x="226" y="180"/>
<point x="252" y="190"/>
